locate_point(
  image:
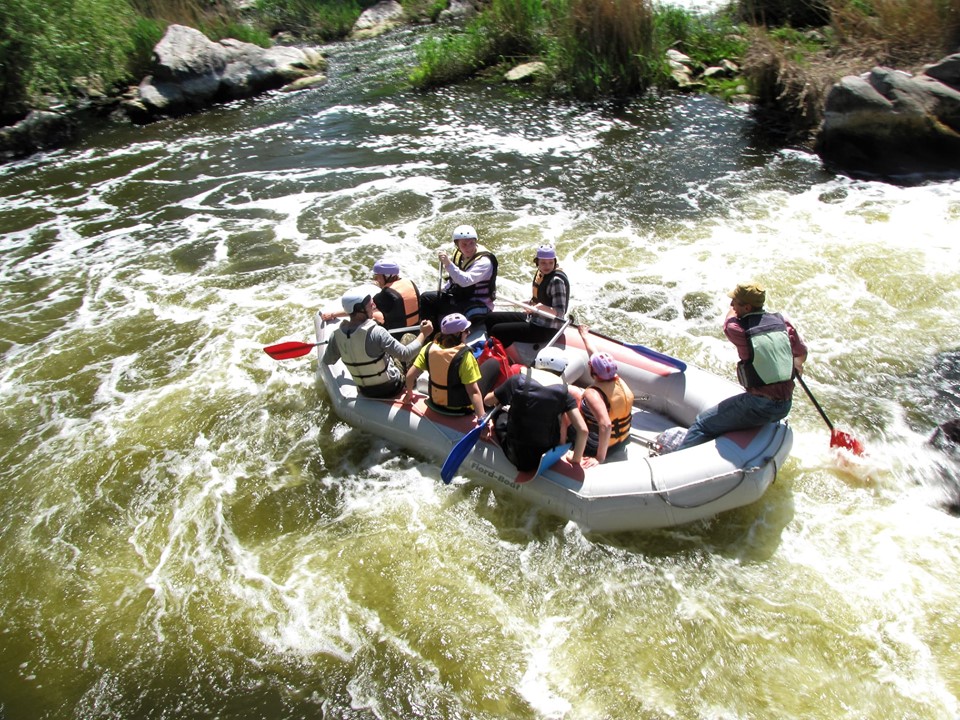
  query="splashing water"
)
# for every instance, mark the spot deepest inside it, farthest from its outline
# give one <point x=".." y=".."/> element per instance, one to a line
<point x="189" y="531"/>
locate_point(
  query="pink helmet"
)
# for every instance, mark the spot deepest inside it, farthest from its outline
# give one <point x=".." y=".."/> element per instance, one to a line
<point x="603" y="366"/>
<point x="454" y="323"/>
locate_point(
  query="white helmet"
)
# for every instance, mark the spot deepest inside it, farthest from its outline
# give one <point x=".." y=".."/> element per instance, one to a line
<point x="464" y="232"/>
<point x="355" y="299"/>
<point x="551" y="358"/>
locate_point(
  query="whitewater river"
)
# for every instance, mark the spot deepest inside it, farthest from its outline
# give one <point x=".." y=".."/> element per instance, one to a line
<point x="187" y="530"/>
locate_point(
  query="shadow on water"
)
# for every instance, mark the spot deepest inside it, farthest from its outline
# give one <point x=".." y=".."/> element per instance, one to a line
<point x="933" y="408"/>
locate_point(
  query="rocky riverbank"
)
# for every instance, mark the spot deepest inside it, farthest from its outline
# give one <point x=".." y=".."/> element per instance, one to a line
<point x="884" y="123"/>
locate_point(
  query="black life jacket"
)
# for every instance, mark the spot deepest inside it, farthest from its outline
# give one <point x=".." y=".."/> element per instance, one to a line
<point x="485" y="289"/>
<point x="405" y="310"/>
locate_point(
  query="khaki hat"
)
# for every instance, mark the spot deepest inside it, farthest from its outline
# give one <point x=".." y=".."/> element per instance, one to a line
<point x="749" y="294"/>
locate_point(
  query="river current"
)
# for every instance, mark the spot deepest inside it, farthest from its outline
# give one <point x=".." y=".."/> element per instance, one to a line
<point x="188" y="531"/>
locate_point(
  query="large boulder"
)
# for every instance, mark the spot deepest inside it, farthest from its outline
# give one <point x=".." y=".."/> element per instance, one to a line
<point x="191" y="72"/>
<point x="890" y="124"/>
<point x="41" y="129"/>
<point x="376" y="20"/>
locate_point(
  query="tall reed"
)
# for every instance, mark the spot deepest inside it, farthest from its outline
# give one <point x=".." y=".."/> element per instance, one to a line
<point x="896" y="32"/>
<point x="606" y="47"/>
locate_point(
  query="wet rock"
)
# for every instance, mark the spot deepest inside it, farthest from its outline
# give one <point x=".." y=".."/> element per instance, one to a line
<point x="376" y="20"/>
<point x="41" y="129"/>
<point x="526" y="72"/>
<point x="458" y="11"/>
<point x="888" y="123"/>
<point x="192" y="72"/>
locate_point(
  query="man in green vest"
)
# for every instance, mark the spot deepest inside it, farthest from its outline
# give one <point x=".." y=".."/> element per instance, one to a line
<point x="771" y="351"/>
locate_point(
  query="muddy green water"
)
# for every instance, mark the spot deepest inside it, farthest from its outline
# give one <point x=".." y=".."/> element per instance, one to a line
<point x="187" y="531"/>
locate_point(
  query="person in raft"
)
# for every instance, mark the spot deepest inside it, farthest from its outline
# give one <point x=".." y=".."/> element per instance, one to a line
<point x="606" y="406"/>
<point x="771" y="351"/>
<point x="398" y="301"/>
<point x="550" y="295"/>
<point x="540" y="402"/>
<point x="455" y="377"/>
<point x="368" y="350"/>
<point x="472" y="283"/>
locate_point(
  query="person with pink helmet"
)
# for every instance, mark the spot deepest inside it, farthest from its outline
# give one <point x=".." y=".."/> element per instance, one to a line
<point x="607" y="405"/>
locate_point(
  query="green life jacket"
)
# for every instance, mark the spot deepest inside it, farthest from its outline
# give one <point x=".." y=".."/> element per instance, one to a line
<point x="771" y="357"/>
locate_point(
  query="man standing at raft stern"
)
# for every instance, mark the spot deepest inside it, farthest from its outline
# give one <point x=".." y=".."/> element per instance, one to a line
<point x="471" y="286"/>
<point x="368" y="350"/>
<point x="771" y="351"/>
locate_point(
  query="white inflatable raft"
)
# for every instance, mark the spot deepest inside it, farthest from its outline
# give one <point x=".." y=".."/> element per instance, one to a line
<point x="632" y="490"/>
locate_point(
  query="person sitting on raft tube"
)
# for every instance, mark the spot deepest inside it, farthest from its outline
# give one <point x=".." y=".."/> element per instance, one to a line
<point x="539" y="401"/>
<point x="398" y="301"/>
<point x="471" y="286"/>
<point x="606" y="406"/>
<point x="368" y="350"/>
<point x="453" y="371"/>
<point x="551" y="296"/>
<point x="771" y="351"/>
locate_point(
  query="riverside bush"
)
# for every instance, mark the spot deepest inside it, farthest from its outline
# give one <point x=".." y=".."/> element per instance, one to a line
<point x="508" y="29"/>
<point x="598" y="48"/>
<point x="45" y="44"/>
<point x="314" y="19"/>
<point x="606" y="48"/>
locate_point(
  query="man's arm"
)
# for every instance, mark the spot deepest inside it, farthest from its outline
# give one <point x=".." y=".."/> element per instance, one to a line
<point x="380" y="340"/>
<point x="482" y="269"/>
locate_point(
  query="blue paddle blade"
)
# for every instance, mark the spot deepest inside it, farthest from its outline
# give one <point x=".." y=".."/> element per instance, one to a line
<point x="463" y="448"/>
<point x="459" y="454"/>
<point x="550" y="458"/>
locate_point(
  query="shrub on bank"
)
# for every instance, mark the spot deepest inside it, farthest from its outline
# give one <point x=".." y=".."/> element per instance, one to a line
<point x="45" y="44"/>
<point x="790" y="71"/>
<point x="593" y="48"/>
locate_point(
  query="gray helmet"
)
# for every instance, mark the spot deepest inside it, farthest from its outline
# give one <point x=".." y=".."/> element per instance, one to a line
<point x="551" y="358"/>
<point x="356" y="299"/>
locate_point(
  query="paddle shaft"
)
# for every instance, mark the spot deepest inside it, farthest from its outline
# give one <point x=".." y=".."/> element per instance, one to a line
<point x="799" y="379"/>
<point x="293" y="349"/>
<point x="653" y="354"/>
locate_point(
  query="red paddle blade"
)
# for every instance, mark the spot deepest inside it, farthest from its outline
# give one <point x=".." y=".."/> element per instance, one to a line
<point x="287" y="350"/>
<point x="838" y="438"/>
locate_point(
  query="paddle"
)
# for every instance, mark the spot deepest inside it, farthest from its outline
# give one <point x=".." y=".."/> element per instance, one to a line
<point x="642" y="350"/>
<point x="463" y="448"/>
<point x="838" y="438"/>
<point x="550" y="458"/>
<point x="467" y="442"/>
<point x="294" y="349"/>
